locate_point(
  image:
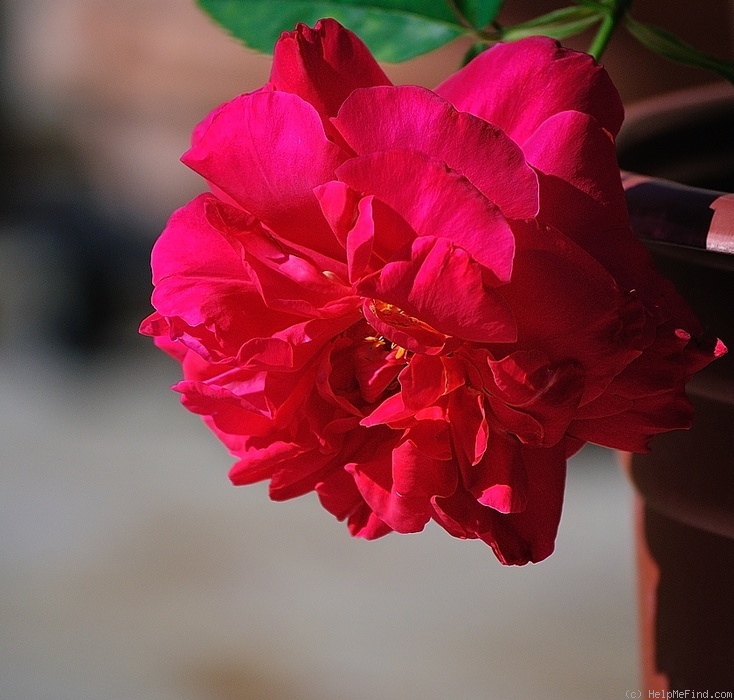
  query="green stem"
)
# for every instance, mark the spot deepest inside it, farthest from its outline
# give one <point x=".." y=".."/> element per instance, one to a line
<point x="617" y="10"/>
<point x="463" y="21"/>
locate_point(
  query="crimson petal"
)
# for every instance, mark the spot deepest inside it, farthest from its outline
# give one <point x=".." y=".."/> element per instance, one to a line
<point x="436" y="202"/>
<point x="324" y="65"/>
<point x="267" y="151"/>
<point x="406" y="116"/>
<point x="518" y="85"/>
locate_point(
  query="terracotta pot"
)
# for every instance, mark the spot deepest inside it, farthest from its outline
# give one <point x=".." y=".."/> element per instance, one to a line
<point x="685" y="486"/>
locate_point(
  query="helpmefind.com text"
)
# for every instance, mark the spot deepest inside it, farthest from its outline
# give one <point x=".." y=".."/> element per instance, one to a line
<point x="679" y="694"/>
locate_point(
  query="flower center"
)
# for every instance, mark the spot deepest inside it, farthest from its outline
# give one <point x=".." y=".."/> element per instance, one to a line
<point x="379" y="342"/>
<point x="402" y="329"/>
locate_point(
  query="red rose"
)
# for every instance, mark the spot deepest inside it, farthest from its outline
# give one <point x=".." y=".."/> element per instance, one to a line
<point x="418" y="304"/>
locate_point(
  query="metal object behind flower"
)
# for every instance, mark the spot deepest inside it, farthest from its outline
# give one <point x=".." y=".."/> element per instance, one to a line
<point x="672" y="213"/>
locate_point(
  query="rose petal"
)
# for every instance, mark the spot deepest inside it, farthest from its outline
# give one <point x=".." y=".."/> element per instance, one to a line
<point x="469" y="426"/>
<point x="423" y="381"/>
<point x="360" y="241"/>
<point x="339" y="494"/>
<point x="499" y="481"/>
<point x="285" y="280"/>
<point x="410" y="117"/>
<point x="299" y="475"/>
<point x="349" y="214"/>
<point x="231" y="413"/>
<point x="632" y="428"/>
<point x="533" y="399"/>
<point x="530" y="535"/>
<point x="442" y="286"/>
<point x="517" y="85"/>
<point x="376" y="371"/>
<point x="647" y="398"/>
<point x="324" y="65"/>
<point x="550" y="295"/>
<point x="436" y="202"/>
<point x="581" y="189"/>
<point x="516" y="538"/>
<point x="203" y="290"/>
<point x="260" y="463"/>
<point x="398" y="485"/>
<point x="267" y="151"/>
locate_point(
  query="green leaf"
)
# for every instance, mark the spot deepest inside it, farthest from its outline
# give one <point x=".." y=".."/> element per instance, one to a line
<point x="394" y="30"/>
<point x="670" y="46"/>
<point x="558" y="24"/>
<point x="479" y="13"/>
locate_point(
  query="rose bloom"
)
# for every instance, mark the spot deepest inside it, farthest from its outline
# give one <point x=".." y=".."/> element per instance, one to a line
<point x="419" y="304"/>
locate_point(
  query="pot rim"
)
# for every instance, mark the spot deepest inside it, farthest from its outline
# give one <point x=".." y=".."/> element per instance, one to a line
<point x="659" y="113"/>
<point x="659" y="208"/>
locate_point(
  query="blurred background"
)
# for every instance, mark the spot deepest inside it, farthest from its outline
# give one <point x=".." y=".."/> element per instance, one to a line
<point x="129" y="568"/>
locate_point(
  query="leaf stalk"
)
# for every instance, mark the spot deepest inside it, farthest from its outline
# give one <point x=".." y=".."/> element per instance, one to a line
<point x="617" y="9"/>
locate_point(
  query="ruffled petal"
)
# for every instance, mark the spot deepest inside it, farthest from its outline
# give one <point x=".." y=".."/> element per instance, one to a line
<point x="648" y="397"/>
<point x="203" y="294"/>
<point x="442" y="286"/>
<point x="469" y="426"/>
<point x="360" y="241"/>
<point x="518" y="537"/>
<point x="398" y="483"/>
<point x="299" y="475"/>
<point x="258" y="464"/>
<point x="533" y="399"/>
<point x="231" y="413"/>
<point x="285" y="280"/>
<point x="426" y="379"/>
<point x="436" y="202"/>
<point x="631" y="423"/>
<point x="410" y="117"/>
<point x="368" y="222"/>
<point x="499" y="480"/>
